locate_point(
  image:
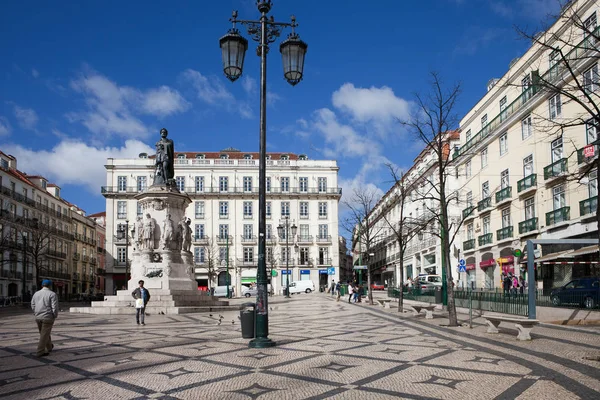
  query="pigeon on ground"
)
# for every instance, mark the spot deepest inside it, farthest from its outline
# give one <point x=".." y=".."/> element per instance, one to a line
<point x="210" y="315"/>
<point x="232" y="322"/>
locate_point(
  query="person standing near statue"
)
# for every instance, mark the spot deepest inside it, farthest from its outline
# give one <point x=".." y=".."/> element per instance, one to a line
<point x="44" y="304"/>
<point x="142" y="297"/>
<point x="165" y="156"/>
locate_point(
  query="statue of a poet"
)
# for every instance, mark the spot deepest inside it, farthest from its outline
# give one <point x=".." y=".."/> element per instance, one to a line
<point x="165" y="155"/>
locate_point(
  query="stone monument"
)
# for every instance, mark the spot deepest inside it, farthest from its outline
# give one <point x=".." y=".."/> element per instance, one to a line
<point x="161" y="249"/>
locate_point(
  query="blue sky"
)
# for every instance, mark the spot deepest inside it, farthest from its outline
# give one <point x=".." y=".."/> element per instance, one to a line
<point x="83" y="81"/>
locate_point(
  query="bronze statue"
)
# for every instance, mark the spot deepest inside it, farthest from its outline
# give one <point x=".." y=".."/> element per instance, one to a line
<point x="165" y="156"/>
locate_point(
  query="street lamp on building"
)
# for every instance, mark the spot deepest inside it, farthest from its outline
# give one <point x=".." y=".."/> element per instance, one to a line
<point x="281" y="231"/>
<point x="24" y="291"/>
<point x="233" y="50"/>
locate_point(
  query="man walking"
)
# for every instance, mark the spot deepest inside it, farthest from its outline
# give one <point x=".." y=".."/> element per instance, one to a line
<point x="332" y="288"/>
<point x="141" y="296"/>
<point x="44" y="304"/>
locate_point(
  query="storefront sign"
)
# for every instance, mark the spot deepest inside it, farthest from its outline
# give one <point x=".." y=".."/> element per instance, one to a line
<point x="323" y="271"/>
<point x="360" y="267"/>
<point x="470" y="267"/>
<point x="508" y="269"/>
<point x="487" y="263"/>
<point x="286" y="272"/>
<point x="305" y="272"/>
<point x="506" y="260"/>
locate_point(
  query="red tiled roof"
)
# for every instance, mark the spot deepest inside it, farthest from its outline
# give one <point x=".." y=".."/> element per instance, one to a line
<point x="98" y="214"/>
<point x="233" y="155"/>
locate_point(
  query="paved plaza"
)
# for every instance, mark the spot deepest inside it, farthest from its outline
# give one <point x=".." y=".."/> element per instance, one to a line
<point x="325" y="349"/>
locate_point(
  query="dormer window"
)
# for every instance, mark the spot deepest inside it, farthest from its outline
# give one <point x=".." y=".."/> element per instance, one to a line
<point x="247" y="156"/>
<point x="143" y="155"/>
<point x="285" y="157"/>
<point x="44" y="184"/>
<point x="199" y="156"/>
<point x="181" y="156"/>
<point x="268" y="156"/>
<point x="224" y="156"/>
<point x="302" y="157"/>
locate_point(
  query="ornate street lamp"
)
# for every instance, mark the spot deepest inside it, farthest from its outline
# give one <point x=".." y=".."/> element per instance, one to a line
<point x="233" y="48"/>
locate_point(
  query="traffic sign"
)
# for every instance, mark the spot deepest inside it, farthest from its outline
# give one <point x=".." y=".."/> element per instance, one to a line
<point x="462" y="262"/>
<point x="462" y="268"/>
<point x="331" y="271"/>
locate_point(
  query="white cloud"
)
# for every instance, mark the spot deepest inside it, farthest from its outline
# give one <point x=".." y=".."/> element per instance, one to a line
<point x="376" y="105"/>
<point x="112" y="108"/>
<point x="26" y="117"/>
<point x="249" y="85"/>
<point x="74" y="162"/>
<point x="35" y="73"/>
<point x="4" y="126"/>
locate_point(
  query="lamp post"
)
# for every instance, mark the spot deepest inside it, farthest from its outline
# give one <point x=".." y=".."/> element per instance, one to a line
<point x="24" y="291"/>
<point x="233" y="50"/>
<point x="227" y="273"/>
<point x="280" y="232"/>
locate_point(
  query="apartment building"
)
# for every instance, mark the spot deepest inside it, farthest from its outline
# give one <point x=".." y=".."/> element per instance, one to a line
<point x="85" y="260"/>
<point x="423" y="252"/>
<point x="100" y="220"/>
<point x="223" y="187"/>
<point x="522" y="176"/>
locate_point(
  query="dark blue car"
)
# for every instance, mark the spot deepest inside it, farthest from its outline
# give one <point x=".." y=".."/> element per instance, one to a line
<point x="583" y="292"/>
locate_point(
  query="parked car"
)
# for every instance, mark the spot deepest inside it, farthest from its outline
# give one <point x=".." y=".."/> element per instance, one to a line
<point x="250" y="291"/>
<point x="221" y="291"/>
<point x="428" y="282"/>
<point x="583" y="291"/>
<point x="377" y="286"/>
<point x="302" y="287"/>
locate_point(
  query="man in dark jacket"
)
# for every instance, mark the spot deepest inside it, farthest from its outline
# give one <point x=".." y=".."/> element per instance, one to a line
<point x="140" y="309"/>
<point x="44" y="304"/>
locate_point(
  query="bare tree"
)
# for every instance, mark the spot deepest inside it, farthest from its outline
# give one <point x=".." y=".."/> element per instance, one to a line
<point x="40" y="241"/>
<point x="360" y="223"/>
<point x="404" y="228"/>
<point x="213" y="259"/>
<point x="434" y="121"/>
<point x="573" y="76"/>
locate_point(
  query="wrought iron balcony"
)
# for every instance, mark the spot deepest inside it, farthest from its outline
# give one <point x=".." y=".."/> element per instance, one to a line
<point x="305" y="239"/>
<point x="483" y="204"/>
<point x="323" y="239"/>
<point x="323" y="261"/>
<point x="305" y="261"/>
<point x="223" y="239"/>
<point x="527" y="183"/>
<point x="588" y="206"/>
<point x="504" y="194"/>
<point x="469" y="244"/>
<point x="249" y="239"/>
<point x="555" y="169"/>
<point x="485" y="239"/>
<point x="468" y="212"/>
<point x="557" y="216"/>
<point x="504" y="233"/>
<point x="201" y="239"/>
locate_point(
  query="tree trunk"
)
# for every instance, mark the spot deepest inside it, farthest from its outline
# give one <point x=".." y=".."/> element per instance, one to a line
<point x="452" y="317"/>
<point x="401" y="284"/>
<point x="369" y="287"/>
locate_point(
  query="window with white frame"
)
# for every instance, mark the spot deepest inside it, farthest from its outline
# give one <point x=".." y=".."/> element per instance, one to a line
<point x="270" y="258"/>
<point x="223" y="209"/>
<point x="247" y="184"/>
<point x="526" y="83"/>
<point x="141" y="183"/>
<point x="469" y="199"/>
<point x="199" y="255"/>
<point x="503" y="104"/>
<point x="122" y="183"/>
<point x="526" y="127"/>
<point x="322" y="182"/>
<point x="180" y="182"/>
<point x="303" y="182"/>
<point x="558" y="197"/>
<point x="484" y="121"/>
<point x="504" y="177"/>
<point x="468" y="136"/>
<point x="121" y="254"/>
<point x="528" y="166"/>
<point x="247" y="209"/>
<point x="506" y="217"/>
<point x="486" y="225"/>
<point x="484" y="157"/>
<point x="555" y="106"/>
<point x="121" y="209"/>
<point x="323" y="255"/>
<point x="304" y="209"/>
<point x="503" y="143"/>
<point x="285" y="208"/>
<point x="593" y="183"/>
<point x="485" y="190"/>
<point x="199" y="209"/>
<point x="468" y="169"/>
<point x="268" y="209"/>
<point x="223" y="184"/>
<point x="285" y="255"/>
<point x="285" y="184"/>
<point x="553" y="59"/>
<point x="248" y="228"/>
<point x="222" y="254"/>
<point x="589" y="25"/>
<point x="268" y="184"/>
<point x="248" y="254"/>
<point x="199" y="184"/>
<point x="223" y="231"/>
<point x="529" y="205"/>
<point x="140" y="210"/>
<point x="304" y="231"/>
<point x="199" y="231"/>
<point x="591" y="131"/>
<point x="322" y="210"/>
<point x="323" y="231"/>
<point x="269" y="233"/>
<point x="591" y="79"/>
<point x="304" y="255"/>
<point x="556" y="149"/>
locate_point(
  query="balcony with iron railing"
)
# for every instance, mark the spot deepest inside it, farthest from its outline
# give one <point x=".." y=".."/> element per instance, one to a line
<point x="223" y="239"/>
<point x="306" y="261"/>
<point x="305" y="239"/>
<point x="529" y="225"/>
<point x="76" y="256"/>
<point x="468" y="213"/>
<point x="556" y="169"/>
<point x="271" y="240"/>
<point x="468" y="244"/>
<point x="92" y="260"/>
<point x="558" y="216"/>
<point x="248" y="239"/>
<point x="56" y="254"/>
<point x="324" y="239"/>
<point x="504" y="233"/>
<point x="504" y="195"/>
<point x="527" y="184"/>
<point x="588" y="206"/>
<point x="323" y="261"/>
<point x="485" y="240"/>
<point x="484" y="204"/>
<point x="85" y="258"/>
<point x="248" y="262"/>
<point x="202" y="239"/>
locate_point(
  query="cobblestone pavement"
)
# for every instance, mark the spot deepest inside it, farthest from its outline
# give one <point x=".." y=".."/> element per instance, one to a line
<point x="325" y="349"/>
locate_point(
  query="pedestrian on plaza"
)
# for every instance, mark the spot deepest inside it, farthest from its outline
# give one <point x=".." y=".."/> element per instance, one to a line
<point x="522" y="285"/>
<point x="506" y="285"/>
<point x="356" y="294"/>
<point x="338" y="289"/>
<point x="350" y="292"/>
<point x="515" y="285"/>
<point x="142" y="297"/>
<point x="44" y="304"/>
<point x="333" y="287"/>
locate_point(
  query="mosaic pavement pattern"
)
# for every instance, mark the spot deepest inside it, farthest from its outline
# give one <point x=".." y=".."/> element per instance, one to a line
<point x="325" y="350"/>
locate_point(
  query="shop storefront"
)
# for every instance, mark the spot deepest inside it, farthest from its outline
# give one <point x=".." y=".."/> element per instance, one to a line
<point x="471" y="276"/>
<point x="488" y="266"/>
<point x="305" y="274"/>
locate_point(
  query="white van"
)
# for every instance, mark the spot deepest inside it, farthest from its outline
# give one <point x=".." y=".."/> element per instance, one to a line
<point x="221" y="291"/>
<point x="302" y="287"/>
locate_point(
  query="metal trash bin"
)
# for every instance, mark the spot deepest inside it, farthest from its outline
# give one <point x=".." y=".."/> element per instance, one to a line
<point x="247" y="314"/>
<point x="438" y="295"/>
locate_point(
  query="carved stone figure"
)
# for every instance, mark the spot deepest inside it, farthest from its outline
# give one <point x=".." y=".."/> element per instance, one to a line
<point x="149" y="228"/>
<point x="165" y="155"/>
<point x="168" y="234"/>
<point x="186" y="234"/>
<point x="139" y="240"/>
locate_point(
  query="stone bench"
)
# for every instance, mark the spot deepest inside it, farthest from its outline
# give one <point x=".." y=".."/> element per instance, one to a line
<point x="384" y="303"/>
<point x="524" y="326"/>
<point x="428" y="310"/>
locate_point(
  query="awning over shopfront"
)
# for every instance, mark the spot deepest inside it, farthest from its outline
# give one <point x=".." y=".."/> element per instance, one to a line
<point x="583" y="251"/>
<point x="507" y="263"/>
<point x="471" y="267"/>
<point x="554" y="256"/>
<point x="487" y="263"/>
<point x="249" y="276"/>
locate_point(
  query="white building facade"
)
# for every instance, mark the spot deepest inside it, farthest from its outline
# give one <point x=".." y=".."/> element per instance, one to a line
<point x="223" y="187"/>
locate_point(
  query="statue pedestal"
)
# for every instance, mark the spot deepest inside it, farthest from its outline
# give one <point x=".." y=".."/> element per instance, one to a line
<point x="167" y="271"/>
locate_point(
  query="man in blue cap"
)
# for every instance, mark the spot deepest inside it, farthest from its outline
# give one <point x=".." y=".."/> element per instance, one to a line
<point x="44" y="304"/>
